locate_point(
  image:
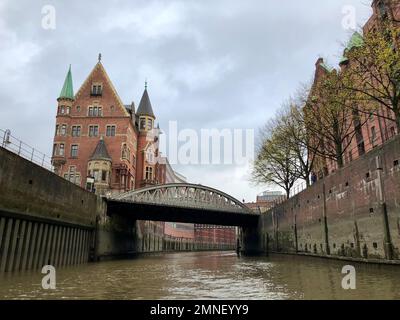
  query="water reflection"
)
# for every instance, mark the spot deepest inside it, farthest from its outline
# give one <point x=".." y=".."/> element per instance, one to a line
<point x="207" y="275"/>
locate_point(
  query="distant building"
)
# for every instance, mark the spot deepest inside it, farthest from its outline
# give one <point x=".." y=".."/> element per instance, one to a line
<point x="265" y="201"/>
<point x="176" y="230"/>
<point x="269" y="196"/>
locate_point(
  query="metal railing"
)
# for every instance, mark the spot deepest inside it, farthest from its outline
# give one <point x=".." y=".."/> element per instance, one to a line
<point x="24" y="150"/>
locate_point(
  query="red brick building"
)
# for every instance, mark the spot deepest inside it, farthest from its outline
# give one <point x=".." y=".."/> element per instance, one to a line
<point x="370" y="130"/>
<point x="101" y="143"/>
<point x="214" y="237"/>
<point x="106" y="146"/>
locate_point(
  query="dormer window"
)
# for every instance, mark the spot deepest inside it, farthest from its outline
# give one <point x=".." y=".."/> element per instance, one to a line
<point x="97" y="89"/>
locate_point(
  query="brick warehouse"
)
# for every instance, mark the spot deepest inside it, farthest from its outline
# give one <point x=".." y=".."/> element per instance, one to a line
<point x="351" y="212"/>
<point x="370" y="130"/>
<point x="106" y="146"/>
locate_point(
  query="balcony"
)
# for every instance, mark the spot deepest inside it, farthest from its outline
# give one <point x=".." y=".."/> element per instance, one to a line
<point x="58" y="160"/>
<point x="148" y="182"/>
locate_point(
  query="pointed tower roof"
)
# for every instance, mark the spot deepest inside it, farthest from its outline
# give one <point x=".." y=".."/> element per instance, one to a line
<point x="100" y="153"/>
<point x="145" y="108"/>
<point x="67" y="91"/>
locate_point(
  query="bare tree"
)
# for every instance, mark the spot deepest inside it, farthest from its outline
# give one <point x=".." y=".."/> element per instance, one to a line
<point x="297" y="136"/>
<point x="329" y="122"/>
<point x="275" y="159"/>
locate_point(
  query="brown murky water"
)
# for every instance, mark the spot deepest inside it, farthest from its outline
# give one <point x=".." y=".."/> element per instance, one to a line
<point x="207" y="275"/>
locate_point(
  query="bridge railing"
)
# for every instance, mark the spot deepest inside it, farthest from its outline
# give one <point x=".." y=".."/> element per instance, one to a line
<point x="24" y="150"/>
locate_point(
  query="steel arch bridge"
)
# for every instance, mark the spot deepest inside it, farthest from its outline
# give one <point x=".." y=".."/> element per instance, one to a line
<point x="181" y="202"/>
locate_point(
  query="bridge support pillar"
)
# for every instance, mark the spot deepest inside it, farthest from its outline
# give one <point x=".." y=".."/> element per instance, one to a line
<point x="251" y="240"/>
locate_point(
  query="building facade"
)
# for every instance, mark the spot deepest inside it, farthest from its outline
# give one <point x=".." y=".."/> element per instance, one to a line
<point x="106" y="146"/>
<point x="370" y="129"/>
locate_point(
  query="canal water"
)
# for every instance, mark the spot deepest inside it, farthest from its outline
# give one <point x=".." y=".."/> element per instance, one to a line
<point x="207" y="275"/>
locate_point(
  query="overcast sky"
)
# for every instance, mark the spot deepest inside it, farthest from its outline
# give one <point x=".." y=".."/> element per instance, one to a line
<point x="210" y="64"/>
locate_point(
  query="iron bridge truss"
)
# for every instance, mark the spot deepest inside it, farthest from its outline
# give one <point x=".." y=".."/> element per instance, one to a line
<point x="185" y="195"/>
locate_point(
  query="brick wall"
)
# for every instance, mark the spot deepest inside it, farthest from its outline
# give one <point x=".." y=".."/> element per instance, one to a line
<point x="355" y="224"/>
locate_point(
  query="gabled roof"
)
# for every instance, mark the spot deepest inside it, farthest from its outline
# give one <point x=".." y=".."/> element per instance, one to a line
<point x="100" y="152"/>
<point x="145" y="108"/>
<point x="67" y="90"/>
<point x="99" y="66"/>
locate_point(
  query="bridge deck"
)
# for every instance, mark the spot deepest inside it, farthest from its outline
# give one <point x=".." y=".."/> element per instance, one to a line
<point x="168" y="213"/>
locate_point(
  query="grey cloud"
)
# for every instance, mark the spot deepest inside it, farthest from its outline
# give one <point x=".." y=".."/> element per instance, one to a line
<point x="209" y="64"/>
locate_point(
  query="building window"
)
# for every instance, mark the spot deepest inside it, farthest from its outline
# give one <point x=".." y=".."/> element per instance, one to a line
<point x="76" y="131"/>
<point x="93" y="131"/>
<point x="73" y="176"/>
<point x="74" y="151"/>
<point x="110" y="132"/>
<point x="373" y="134"/>
<point x="95" y="111"/>
<point x="149" y="173"/>
<point x="96" y="90"/>
<point x="142" y="125"/>
<point x="149" y="124"/>
<point x="62" y="110"/>
<point x="78" y="109"/>
<point x="392" y="131"/>
<point x="63" y="130"/>
<point x="57" y="130"/>
<point x="61" y="149"/>
<point x="104" y="176"/>
<point x="96" y="175"/>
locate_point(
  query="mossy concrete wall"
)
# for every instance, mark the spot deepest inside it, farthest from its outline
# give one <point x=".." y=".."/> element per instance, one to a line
<point x="355" y="223"/>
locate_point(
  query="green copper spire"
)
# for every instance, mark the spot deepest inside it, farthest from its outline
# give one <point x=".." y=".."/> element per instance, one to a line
<point x="356" y="41"/>
<point x="67" y="90"/>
